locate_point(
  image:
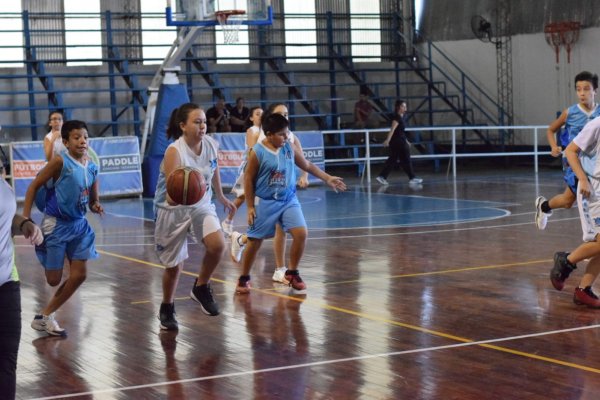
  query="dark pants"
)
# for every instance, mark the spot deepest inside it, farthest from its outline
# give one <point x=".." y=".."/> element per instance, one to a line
<point x="399" y="153"/>
<point x="10" y="334"/>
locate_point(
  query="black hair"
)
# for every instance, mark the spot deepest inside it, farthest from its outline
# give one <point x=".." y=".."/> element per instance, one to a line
<point x="250" y="123"/>
<point x="274" y="123"/>
<point x="271" y="111"/>
<point x="273" y="106"/>
<point x="179" y="116"/>
<point x="50" y="114"/>
<point x="71" y="125"/>
<point x="397" y="104"/>
<point x="587" y="76"/>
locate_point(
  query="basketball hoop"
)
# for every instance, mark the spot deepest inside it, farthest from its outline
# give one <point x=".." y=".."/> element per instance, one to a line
<point x="564" y="33"/>
<point x="230" y="21"/>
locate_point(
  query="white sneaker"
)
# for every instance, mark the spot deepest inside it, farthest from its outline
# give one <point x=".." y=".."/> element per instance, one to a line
<point x="382" y="180"/>
<point x="541" y="218"/>
<point x="416" y="181"/>
<point x="236" y="247"/>
<point x="227" y="226"/>
<point x="279" y="275"/>
<point x="47" y="323"/>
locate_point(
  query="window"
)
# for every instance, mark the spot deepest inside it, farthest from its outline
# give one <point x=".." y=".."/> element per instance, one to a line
<point x="83" y="34"/>
<point x="156" y="38"/>
<point x="419" y="6"/>
<point x="300" y="31"/>
<point x="10" y="32"/>
<point x="365" y="30"/>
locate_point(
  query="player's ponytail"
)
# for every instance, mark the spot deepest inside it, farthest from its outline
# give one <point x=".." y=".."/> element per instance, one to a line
<point x="179" y="116"/>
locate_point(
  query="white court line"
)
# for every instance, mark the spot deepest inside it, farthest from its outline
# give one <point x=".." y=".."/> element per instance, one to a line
<point x="317" y="363"/>
<point x="366" y="235"/>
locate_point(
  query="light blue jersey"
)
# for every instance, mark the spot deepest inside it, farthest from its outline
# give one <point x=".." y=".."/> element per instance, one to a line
<point x="68" y="198"/>
<point x="276" y="178"/>
<point x="276" y="191"/>
<point x="576" y="120"/>
<point x="67" y="232"/>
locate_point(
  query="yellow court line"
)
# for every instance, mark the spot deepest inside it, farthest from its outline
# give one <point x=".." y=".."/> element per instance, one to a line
<point x="446" y="271"/>
<point x="396" y="323"/>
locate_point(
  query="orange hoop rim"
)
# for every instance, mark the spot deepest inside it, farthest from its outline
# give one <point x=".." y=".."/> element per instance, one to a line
<point x="223" y="15"/>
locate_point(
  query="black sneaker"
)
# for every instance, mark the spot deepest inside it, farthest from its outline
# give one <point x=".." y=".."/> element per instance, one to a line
<point x="203" y="295"/>
<point x="561" y="270"/>
<point x="166" y="315"/>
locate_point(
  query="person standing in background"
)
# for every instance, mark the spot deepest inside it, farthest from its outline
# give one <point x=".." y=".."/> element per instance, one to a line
<point x="399" y="148"/>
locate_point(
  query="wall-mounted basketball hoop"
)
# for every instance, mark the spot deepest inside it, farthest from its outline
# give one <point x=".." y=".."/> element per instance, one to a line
<point x="564" y="33"/>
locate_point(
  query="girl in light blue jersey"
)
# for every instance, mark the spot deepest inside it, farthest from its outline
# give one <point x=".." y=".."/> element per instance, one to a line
<point x="573" y="119"/>
<point x="270" y="188"/>
<point x="67" y="232"/>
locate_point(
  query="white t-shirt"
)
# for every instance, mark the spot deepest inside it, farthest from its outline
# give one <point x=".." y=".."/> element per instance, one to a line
<point x="8" y="208"/>
<point x="588" y="140"/>
<point x="206" y="163"/>
<point x="58" y="145"/>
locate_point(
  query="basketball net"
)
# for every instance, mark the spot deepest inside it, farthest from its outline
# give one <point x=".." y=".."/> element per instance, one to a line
<point x="564" y="33"/>
<point x="230" y="21"/>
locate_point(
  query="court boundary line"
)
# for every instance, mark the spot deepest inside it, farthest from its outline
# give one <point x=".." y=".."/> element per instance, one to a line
<point x="482" y="343"/>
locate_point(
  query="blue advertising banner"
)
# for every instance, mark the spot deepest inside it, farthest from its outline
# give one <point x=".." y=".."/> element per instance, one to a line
<point x="118" y="159"/>
<point x="231" y="154"/>
<point x="119" y="163"/>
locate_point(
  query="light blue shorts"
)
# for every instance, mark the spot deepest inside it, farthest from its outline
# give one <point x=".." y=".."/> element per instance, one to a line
<point x="269" y="213"/>
<point x="73" y="239"/>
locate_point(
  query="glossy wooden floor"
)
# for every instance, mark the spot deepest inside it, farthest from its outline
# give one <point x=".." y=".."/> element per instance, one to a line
<point x="455" y="305"/>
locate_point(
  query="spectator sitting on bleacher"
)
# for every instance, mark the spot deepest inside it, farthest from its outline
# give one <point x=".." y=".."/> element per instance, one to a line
<point x="238" y="116"/>
<point x="218" y="117"/>
<point x="364" y="115"/>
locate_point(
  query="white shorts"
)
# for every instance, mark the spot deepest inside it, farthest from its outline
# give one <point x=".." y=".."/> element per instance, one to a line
<point x="174" y="224"/>
<point x="589" y="211"/>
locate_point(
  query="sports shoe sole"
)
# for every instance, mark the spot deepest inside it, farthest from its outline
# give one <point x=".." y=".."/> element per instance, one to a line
<point x="539" y="214"/>
<point x="166" y="328"/>
<point x="53" y="333"/>
<point x="204" y="310"/>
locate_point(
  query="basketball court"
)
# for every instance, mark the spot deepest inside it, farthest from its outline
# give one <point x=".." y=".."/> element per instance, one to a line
<point x="432" y="291"/>
<point x="445" y="297"/>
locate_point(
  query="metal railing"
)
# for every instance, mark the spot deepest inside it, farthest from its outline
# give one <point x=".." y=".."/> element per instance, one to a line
<point x="529" y="133"/>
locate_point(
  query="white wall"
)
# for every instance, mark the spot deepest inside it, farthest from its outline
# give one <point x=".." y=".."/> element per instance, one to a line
<point x="540" y="86"/>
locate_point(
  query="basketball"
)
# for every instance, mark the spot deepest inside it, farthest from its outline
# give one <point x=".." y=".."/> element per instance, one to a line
<point x="186" y="186"/>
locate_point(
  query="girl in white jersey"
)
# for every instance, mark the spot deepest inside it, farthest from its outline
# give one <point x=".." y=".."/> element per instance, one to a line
<point x="192" y="148"/>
